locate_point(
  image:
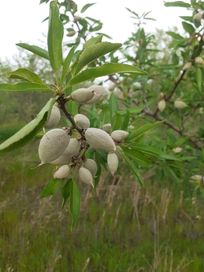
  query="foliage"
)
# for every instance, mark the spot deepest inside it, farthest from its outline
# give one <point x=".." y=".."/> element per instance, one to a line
<point x="140" y="76"/>
<point x="122" y="227"/>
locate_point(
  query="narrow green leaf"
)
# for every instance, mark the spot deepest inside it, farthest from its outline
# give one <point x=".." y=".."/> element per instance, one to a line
<point x="93" y="40"/>
<point x="44" y="20"/>
<point x="126" y="120"/>
<point x="96" y="27"/>
<point x="138" y="157"/>
<point x="139" y="132"/>
<point x="92" y="20"/>
<point x="175" y="35"/>
<point x="73" y="107"/>
<point x="29" y="131"/>
<point x="34" y="49"/>
<point x="74" y="202"/>
<point x="85" y="7"/>
<point x="55" y="37"/>
<point x="187" y="18"/>
<point x="99" y="169"/>
<point x="27" y="75"/>
<point x="66" y="191"/>
<point x="105" y="35"/>
<point x="64" y="18"/>
<point x="106" y="69"/>
<point x="50" y="188"/>
<point x="23" y="87"/>
<point x="180" y="4"/>
<point x="175" y="58"/>
<point x="71" y="6"/>
<point x="8" y="131"/>
<point x="151" y="153"/>
<point x="95" y="51"/>
<point x="130" y="163"/>
<point x="67" y="63"/>
<point x="117" y="121"/>
<point x="188" y="28"/>
<point x="44" y="1"/>
<point x="170" y="157"/>
<point x="133" y="13"/>
<point x="113" y="107"/>
<point x="171" y="173"/>
<point x="84" y="26"/>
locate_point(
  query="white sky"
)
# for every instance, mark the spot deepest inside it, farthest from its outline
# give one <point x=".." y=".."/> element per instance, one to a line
<point x="20" y="20"/>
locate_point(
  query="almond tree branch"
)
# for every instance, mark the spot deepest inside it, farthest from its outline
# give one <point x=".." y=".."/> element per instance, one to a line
<point x="62" y="101"/>
<point x="155" y="115"/>
<point x="195" y="53"/>
<point x="194" y="142"/>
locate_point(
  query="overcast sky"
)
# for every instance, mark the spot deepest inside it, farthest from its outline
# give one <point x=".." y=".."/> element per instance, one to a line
<point x="21" y="20"/>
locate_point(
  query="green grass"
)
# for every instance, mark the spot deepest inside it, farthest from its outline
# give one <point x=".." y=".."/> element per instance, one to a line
<point x="121" y="227"/>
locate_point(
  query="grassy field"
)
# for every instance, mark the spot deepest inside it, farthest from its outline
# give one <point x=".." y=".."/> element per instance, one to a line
<point x="122" y="227"/>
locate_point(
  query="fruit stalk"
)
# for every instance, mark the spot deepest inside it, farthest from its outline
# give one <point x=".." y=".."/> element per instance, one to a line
<point x="62" y="101"/>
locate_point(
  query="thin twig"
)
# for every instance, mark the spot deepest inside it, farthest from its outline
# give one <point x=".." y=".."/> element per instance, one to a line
<point x="62" y="101"/>
<point x="173" y="127"/>
<point x="195" y="53"/>
<point x="176" y="84"/>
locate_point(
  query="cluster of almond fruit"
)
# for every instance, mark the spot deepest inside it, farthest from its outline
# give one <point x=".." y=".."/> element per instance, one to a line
<point x="66" y="147"/>
<point x="178" y="103"/>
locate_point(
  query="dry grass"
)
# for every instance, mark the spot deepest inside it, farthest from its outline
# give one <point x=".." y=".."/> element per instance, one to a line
<point x="122" y="226"/>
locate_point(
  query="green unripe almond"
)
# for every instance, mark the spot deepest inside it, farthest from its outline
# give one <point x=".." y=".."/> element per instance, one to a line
<point x="119" y="135"/>
<point x="118" y="93"/>
<point x="82" y="121"/>
<point x="198" y="17"/>
<point x="100" y="94"/>
<point x="199" y="60"/>
<point x="91" y="166"/>
<point x="63" y="159"/>
<point x="161" y="105"/>
<point x="99" y="139"/>
<point x="107" y="127"/>
<point x="187" y="66"/>
<point x="197" y="178"/>
<point x="62" y="172"/>
<point x="71" y="150"/>
<point x="177" y="149"/>
<point x="150" y="81"/>
<point x="52" y="145"/>
<point x="82" y="95"/>
<point x="179" y="104"/>
<point x="85" y="176"/>
<point x="113" y="162"/>
<point x="54" y="117"/>
<point x="71" y="32"/>
<point x="137" y="85"/>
